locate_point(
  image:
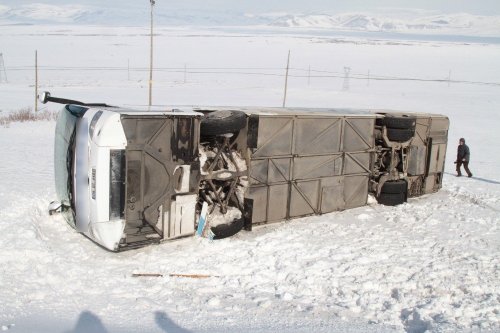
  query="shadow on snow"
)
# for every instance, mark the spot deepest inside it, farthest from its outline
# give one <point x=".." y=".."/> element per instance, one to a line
<point x="89" y="322"/>
<point x="477" y="178"/>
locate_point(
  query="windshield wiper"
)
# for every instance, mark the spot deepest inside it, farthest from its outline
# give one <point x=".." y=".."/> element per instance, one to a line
<point x="46" y="97"/>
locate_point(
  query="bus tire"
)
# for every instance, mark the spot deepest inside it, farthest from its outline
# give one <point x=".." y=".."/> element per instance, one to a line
<point x="227" y="230"/>
<point x="400" y="134"/>
<point x="391" y="199"/>
<point x="401" y="122"/>
<point x="397" y="186"/>
<point x="393" y="193"/>
<point x="222" y="122"/>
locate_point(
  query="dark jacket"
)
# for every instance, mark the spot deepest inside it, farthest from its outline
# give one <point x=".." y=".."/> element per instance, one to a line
<point x="463" y="153"/>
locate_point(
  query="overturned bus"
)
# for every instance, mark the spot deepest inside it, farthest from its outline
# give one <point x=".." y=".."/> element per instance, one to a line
<point x="128" y="178"/>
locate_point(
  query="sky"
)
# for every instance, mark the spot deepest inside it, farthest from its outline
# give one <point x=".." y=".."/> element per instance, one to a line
<point x="479" y="7"/>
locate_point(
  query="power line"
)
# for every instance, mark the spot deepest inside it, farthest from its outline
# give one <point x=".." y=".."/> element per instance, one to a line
<point x="251" y="71"/>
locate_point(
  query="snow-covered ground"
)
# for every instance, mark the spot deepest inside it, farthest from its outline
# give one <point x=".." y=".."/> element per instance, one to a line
<point x="430" y="264"/>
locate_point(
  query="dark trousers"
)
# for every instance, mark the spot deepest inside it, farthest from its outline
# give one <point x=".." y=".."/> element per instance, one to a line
<point x="466" y="167"/>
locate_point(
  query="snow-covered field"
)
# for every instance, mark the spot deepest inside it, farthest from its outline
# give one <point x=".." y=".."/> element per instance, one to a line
<point x="430" y="264"/>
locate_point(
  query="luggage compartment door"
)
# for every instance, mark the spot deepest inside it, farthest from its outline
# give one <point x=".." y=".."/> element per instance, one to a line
<point x="308" y="164"/>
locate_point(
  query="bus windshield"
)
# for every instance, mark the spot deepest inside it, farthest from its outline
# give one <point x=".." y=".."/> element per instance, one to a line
<point x="64" y="144"/>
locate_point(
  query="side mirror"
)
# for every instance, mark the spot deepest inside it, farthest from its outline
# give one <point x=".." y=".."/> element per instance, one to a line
<point x="44" y="97"/>
<point x="54" y="207"/>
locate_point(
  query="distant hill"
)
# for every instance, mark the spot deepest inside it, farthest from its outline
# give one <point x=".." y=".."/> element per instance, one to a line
<point x="463" y="24"/>
<point x="137" y="13"/>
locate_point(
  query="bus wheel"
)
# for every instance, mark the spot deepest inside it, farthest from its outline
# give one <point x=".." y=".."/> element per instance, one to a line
<point x="400" y="134"/>
<point x="228" y="229"/>
<point x="402" y="122"/>
<point x="393" y="193"/>
<point x="222" y="122"/>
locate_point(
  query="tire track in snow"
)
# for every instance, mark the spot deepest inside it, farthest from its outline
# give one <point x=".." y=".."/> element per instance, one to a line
<point x="481" y="200"/>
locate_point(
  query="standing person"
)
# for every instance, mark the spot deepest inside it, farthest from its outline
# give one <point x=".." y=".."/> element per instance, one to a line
<point x="463" y="157"/>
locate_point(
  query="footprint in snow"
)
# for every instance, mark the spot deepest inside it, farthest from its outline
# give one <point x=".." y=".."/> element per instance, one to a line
<point x="214" y="302"/>
<point x="7" y="327"/>
<point x="364" y="217"/>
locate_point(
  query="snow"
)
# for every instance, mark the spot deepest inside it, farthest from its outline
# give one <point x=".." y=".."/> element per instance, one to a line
<point x="430" y="264"/>
<point x="461" y="23"/>
<point x="46" y="12"/>
<point x="216" y="218"/>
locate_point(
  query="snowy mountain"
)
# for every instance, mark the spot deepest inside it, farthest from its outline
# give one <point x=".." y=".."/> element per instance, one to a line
<point x="457" y="23"/>
<point x="132" y="13"/>
<point x="128" y="14"/>
<point x="45" y="13"/>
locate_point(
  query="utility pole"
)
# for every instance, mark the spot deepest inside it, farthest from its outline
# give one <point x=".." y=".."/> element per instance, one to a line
<point x="151" y="56"/>
<point x="347" y="71"/>
<point x="2" y="70"/>
<point x="36" y="80"/>
<point x="286" y="78"/>
<point x="309" y="76"/>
